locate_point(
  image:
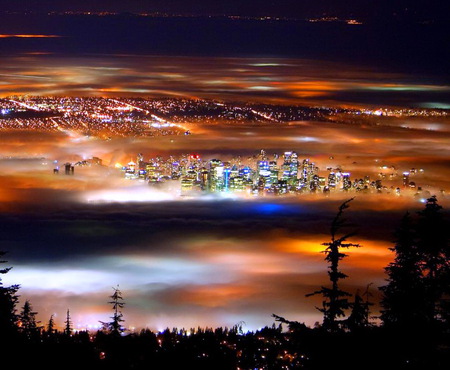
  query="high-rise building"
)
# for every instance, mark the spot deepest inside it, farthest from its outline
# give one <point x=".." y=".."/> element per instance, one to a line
<point x="332" y="180"/>
<point x="405" y="179"/>
<point x="226" y="178"/>
<point x="140" y="160"/>
<point x="237" y="184"/>
<point x="290" y="168"/>
<point x="314" y="184"/>
<point x="204" y="179"/>
<point x="153" y="172"/>
<point x="246" y="173"/>
<point x="273" y="168"/>
<point x="263" y="173"/>
<point x="346" y="183"/>
<point x="69" y="169"/>
<point x="189" y="181"/>
<point x="216" y="175"/>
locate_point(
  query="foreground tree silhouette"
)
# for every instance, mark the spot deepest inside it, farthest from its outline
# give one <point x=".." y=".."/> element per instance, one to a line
<point x="115" y="326"/>
<point x="68" y="328"/>
<point x="434" y="249"/>
<point x="50" y="331"/>
<point x="359" y="317"/>
<point x="335" y="299"/>
<point x="28" y="324"/>
<point x="404" y="302"/>
<point x="8" y="301"/>
<point x="416" y="284"/>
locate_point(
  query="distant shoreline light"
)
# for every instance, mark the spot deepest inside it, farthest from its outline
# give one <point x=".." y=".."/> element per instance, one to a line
<point x="27" y="36"/>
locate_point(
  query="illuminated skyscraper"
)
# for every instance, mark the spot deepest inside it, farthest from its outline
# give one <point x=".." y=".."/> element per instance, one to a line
<point x="405" y="179"/>
<point x="67" y="168"/>
<point x="140" y="161"/>
<point x="216" y="176"/>
<point x="153" y="172"/>
<point x="246" y="173"/>
<point x="204" y="179"/>
<point x="226" y="178"/>
<point x="314" y="184"/>
<point x="177" y="170"/>
<point x="308" y="171"/>
<point x="189" y="181"/>
<point x="332" y="180"/>
<point x="263" y="155"/>
<point x="290" y="168"/>
<point x="273" y="168"/>
<point x="346" y="183"/>
<point x="264" y="173"/>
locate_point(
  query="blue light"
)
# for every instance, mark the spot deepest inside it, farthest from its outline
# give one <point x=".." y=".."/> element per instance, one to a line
<point x="269" y="208"/>
<point x="273" y="209"/>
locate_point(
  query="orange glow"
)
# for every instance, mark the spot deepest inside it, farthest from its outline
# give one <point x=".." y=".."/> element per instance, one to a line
<point x="3" y="36"/>
<point x="215" y="295"/>
<point x="311" y="247"/>
<point x="295" y="81"/>
<point x="371" y="254"/>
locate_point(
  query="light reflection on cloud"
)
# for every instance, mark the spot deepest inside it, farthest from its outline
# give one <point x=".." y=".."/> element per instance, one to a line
<point x="146" y="270"/>
<point x="132" y="194"/>
<point x="66" y="280"/>
<point x="208" y="260"/>
<point x="285" y="80"/>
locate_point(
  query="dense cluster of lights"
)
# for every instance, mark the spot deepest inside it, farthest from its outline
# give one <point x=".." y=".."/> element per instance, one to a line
<point x="268" y="347"/>
<point x="260" y="175"/>
<point x="106" y="117"/>
<point x="405" y="112"/>
<point x="210" y="111"/>
<point x="89" y="116"/>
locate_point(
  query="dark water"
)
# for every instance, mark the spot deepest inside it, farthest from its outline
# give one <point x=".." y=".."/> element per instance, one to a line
<point x="403" y="47"/>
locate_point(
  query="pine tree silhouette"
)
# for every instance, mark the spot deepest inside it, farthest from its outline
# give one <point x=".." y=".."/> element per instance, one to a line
<point x="434" y="248"/>
<point x="404" y="302"/>
<point x="359" y="316"/>
<point x="336" y="301"/>
<point x="68" y="324"/>
<point x="115" y="326"/>
<point x="50" y="331"/>
<point x="8" y="301"/>
<point x="28" y="326"/>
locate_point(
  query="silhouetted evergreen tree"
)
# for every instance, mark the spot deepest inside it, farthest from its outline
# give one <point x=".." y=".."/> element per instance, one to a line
<point x="115" y="326"/>
<point x="28" y="326"/>
<point x="335" y="299"/>
<point x="68" y="324"/>
<point x="404" y="302"/>
<point x="50" y="326"/>
<point x="8" y="301"/>
<point x="359" y="316"/>
<point x="292" y="325"/>
<point x="433" y="246"/>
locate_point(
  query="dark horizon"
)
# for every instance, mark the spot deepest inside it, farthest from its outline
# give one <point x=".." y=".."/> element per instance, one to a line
<point x="380" y="10"/>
